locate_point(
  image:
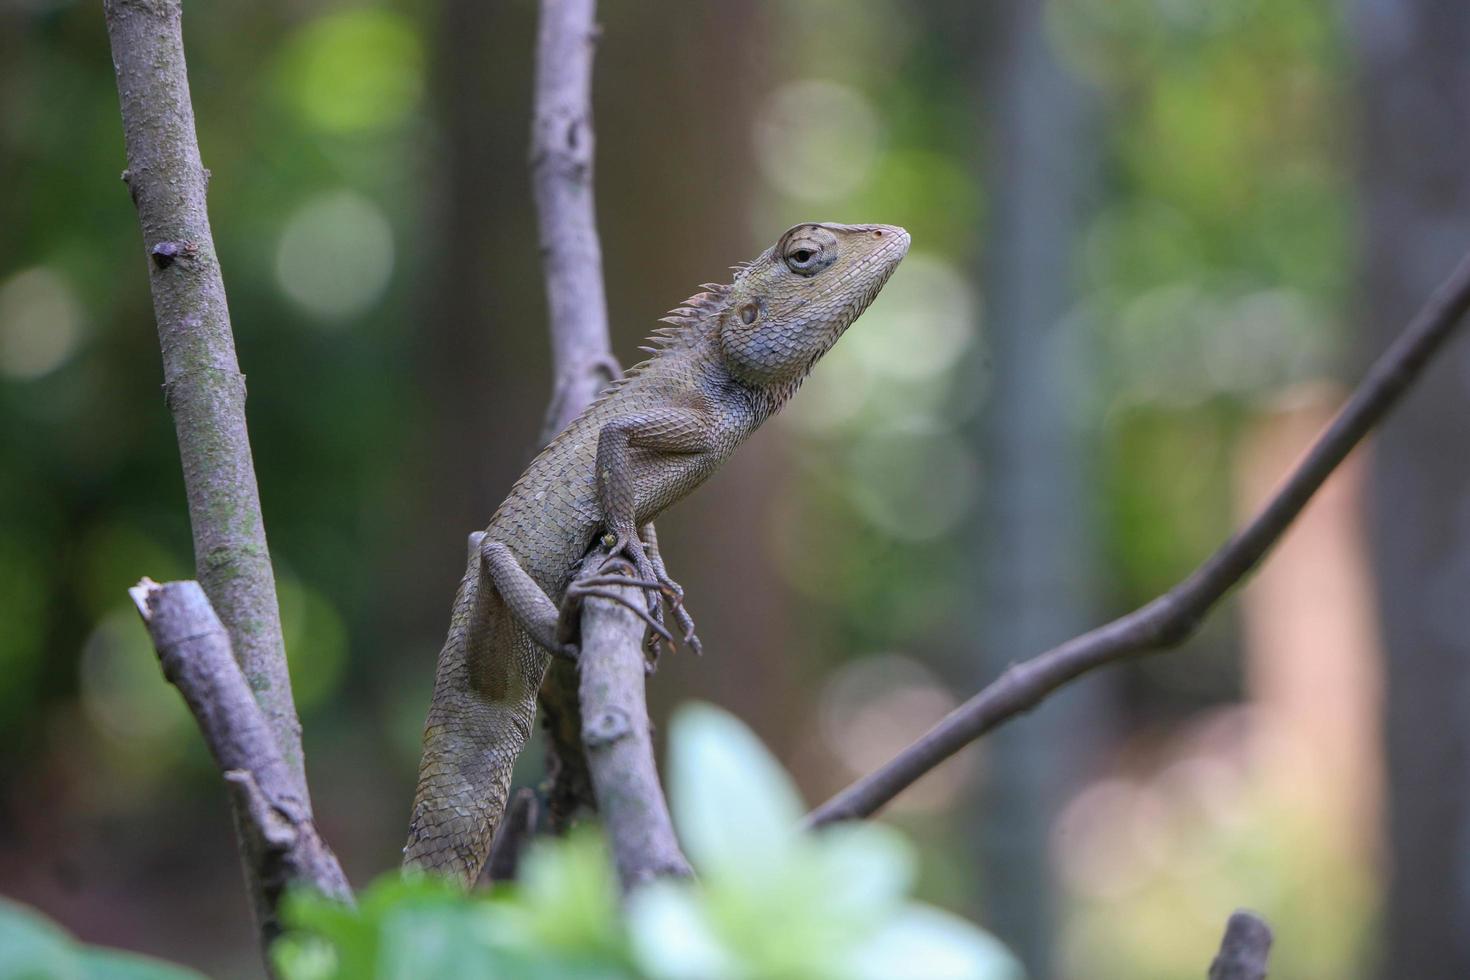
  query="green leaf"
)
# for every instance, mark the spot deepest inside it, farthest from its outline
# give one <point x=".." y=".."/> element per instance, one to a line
<point x="32" y="946"/>
<point x="735" y="807"/>
<point x="434" y="939"/>
<point x="864" y="870"/>
<point x="569" y="897"/>
<point x="108" y="964"/>
<point x="925" y="942"/>
<point x="672" y="936"/>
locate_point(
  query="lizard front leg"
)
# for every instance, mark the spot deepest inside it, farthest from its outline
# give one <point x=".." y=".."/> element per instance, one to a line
<point x="671" y="431"/>
<point x="533" y="608"/>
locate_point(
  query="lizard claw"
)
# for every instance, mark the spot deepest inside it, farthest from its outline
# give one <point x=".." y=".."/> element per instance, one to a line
<point x="605" y="586"/>
<point x="673" y="594"/>
<point x="625" y="549"/>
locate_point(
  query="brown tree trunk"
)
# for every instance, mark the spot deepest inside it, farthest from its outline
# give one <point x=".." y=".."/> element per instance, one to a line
<point x="1033" y="536"/>
<point x="1415" y="95"/>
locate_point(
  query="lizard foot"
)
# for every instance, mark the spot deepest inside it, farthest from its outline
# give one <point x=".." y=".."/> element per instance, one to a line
<point x="627" y="548"/>
<point x="604" y="586"/>
<point x="624" y="549"/>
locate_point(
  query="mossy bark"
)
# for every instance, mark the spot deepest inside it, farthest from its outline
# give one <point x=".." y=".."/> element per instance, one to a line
<point x="203" y="386"/>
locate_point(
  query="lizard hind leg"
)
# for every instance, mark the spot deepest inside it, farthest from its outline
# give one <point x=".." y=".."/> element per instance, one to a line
<point x="547" y="625"/>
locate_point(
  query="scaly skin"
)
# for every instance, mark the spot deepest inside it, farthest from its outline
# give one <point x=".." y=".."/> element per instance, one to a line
<point x="730" y="358"/>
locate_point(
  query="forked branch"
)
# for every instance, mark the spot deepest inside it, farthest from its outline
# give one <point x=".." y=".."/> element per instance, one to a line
<point x="280" y="842"/>
<point x="1173" y="617"/>
<point x="202" y="383"/>
<point x="205" y="393"/>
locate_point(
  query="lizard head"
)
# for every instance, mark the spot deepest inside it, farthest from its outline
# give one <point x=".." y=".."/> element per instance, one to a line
<point x="789" y="306"/>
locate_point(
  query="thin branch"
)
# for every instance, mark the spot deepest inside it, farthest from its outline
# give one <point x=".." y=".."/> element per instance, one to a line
<point x="1169" y="620"/>
<point x="561" y="171"/>
<point x="203" y="385"/>
<point x="1244" y="949"/>
<point x="205" y="393"/>
<point x="619" y="744"/>
<point x="514" y="833"/>
<point x="281" y="845"/>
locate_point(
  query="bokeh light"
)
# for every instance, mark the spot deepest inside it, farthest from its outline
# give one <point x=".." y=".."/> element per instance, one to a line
<point x="40" y="323"/>
<point x="316" y="641"/>
<point x="122" y="687"/>
<point x="817" y="140"/>
<point x="914" y="482"/>
<point x="352" y="72"/>
<point x="335" y="256"/>
<point x="873" y="707"/>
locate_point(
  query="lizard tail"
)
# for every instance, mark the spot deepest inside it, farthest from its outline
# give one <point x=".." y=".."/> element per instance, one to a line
<point x="479" y="720"/>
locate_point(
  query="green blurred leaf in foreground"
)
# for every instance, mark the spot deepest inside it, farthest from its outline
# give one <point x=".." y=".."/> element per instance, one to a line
<point x="33" y="948"/>
<point x="771" y="902"/>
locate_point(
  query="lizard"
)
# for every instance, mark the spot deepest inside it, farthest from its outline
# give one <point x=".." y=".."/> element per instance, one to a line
<point x="725" y="361"/>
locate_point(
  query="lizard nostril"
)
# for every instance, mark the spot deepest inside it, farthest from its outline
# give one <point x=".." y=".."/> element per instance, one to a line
<point x="878" y="233"/>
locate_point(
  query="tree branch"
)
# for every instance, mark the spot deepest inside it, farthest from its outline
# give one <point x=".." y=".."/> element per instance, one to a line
<point x="203" y="386"/>
<point x="205" y="393"/>
<point x="561" y="173"/>
<point x="1169" y="620"/>
<point x="280" y="843"/>
<point x="1244" y="949"/>
<point x="512" y="836"/>
<point x="561" y="161"/>
<point x="618" y="743"/>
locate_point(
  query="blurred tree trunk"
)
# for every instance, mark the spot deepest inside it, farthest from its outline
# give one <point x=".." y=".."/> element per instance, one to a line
<point x="481" y="351"/>
<point x="1415" y="92"/>
<point x="672" y="163"/>
<point x="1033" y="536"/>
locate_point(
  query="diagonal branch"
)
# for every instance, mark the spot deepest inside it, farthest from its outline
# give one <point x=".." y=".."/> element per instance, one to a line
<point x="1172" y="618"/>
<point x="205" y="393"/>
<point x="203" y="386"/>
<point x="280" y="843"/>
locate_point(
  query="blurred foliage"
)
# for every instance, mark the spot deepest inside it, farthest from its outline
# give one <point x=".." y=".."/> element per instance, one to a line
<point x="771" y="902"/>
<point x="1158" y="859"/>
<point x="1214" y="277"/>
<point x="32" y="948"/>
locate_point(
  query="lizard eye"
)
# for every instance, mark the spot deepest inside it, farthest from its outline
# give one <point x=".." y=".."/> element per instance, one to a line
<point x="803" y="260"/>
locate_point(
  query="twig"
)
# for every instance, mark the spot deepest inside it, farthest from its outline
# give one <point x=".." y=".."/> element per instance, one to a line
<point x="561" y="171"/>
<point x="203" y="385"/>
<point x="1169" y="620"/>
<point x="619" y="746"/>
<point x="281" y="843"/>
<point x="1244" y="948"/>
<point x="514" y="833"/>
